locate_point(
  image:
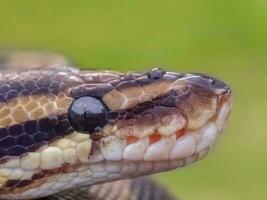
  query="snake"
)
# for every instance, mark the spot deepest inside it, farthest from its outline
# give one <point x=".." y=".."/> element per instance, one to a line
<point x="67" y="133"/>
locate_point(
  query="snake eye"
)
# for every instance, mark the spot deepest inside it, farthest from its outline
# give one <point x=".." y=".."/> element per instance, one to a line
<point x="87" y="114"/>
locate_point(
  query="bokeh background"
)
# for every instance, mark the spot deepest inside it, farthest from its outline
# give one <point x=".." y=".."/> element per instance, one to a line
<point x="227" y="39"/>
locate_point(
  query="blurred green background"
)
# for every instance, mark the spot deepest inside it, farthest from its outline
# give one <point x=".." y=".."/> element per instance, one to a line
<point x="227" y="39"/>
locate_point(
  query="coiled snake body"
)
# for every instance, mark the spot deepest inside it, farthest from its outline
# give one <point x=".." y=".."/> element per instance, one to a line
<point x="62" y="129"/>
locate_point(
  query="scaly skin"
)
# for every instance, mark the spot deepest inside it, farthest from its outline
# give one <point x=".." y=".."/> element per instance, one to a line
<point x="156" y="122"/>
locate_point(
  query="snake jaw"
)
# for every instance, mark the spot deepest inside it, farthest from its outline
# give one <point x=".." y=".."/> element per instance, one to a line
<point x="206" y="111"/>
<point x="179" y="146"/>
<point x="200" y="116"/>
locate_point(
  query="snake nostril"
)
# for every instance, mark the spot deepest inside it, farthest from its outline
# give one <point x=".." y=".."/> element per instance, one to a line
<point x="212" y="81"/>
<point x="156" y="73"/>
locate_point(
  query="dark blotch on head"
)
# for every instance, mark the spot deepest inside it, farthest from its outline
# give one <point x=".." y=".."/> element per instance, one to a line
<point x="155" y="73"/>
<point x="87" y="114"/>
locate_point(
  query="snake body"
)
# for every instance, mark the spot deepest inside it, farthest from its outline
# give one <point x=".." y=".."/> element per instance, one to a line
<point x="63" y="129"/>
<point x="133" y="189"/>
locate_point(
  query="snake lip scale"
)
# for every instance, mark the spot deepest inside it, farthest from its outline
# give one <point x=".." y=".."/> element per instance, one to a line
<point x="62" y="128"/>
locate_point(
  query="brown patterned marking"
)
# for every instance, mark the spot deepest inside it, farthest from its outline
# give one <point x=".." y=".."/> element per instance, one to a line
<point x="6" y="122"/>
<point x="158" y="88"/>
<point x="199" y="107"/>
<point x="31" y="105"/>
<point x="4" y="112"/>
<point x="33" y="109"/>
<point x="19" y="114"/>
<point x="131" y="90"/>
<point x="132" y="94"/>
<point x="109" y="97"/>
<point x="37" y="113"/>
<point x="148" y="120"/>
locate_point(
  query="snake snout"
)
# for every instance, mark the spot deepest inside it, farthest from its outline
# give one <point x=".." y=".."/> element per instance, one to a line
<point x="209" y="83"/>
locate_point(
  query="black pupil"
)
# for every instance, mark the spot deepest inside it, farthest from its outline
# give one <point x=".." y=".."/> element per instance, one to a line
<point x="87" y="114"/>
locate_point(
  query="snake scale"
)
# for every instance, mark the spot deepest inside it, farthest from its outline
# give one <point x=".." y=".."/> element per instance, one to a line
<point x="66" y="134"/>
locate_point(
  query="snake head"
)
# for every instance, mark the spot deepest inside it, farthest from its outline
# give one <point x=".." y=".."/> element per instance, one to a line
<point x="164" y="117"/>
<point x="63" y="129"/>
